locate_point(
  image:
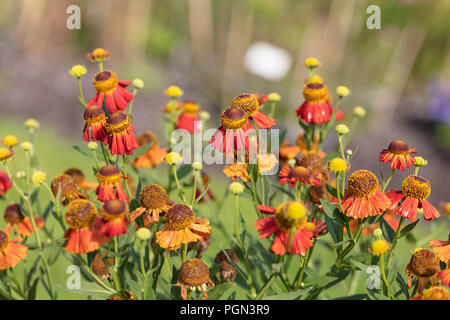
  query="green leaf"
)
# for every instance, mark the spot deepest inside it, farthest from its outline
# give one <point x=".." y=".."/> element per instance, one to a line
<point x="254" y="172"/>
<point x="183" y="171"/>
<point x="280" y="188"/>
<point x="359" y="265"/>
<point x="334" y="225"/>
<point x="222" y="291"/>
<point x="353" y="297"/>
<point x="319" y="282"/>
<point x="84" y="150"/>
<point x="288" y="295"/>
<point x="377" y="296"/>
<point x="331" y="190"/>
<point x="407" y="229"/>
<point x="388" y="232"/>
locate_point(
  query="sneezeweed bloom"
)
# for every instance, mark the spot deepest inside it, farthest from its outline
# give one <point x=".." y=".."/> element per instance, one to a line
<point x="78" y="176"/>
<point x="236" y="170"/>
<point x="5" y="182"/>
<point x="289" y="222"/>
<point x="173" y="158"/>
<point x="433" y="293"/>
<point x="169" y="105"/>
<point x="312" y="62"/>
<point x="337" y="165"/>
<point x="100" y="268"/>
<point x="6" y="153"/>
<point x="188" y="118"/>
<point x="250" y="104"/>
<point x="316" y="109"/>
<point x="298" y="174"/>
<point x="121" y="138"/>
<point x="38" y="178"/>
<point x="99" y="54"/>
<point x="110" y="178"/>
<point x="415" y="191"/>
<point x="77" y="71"/>
<point x="11" y="253"/>
<point x="227" y="272"/>
<point x="182" y="227"/>
<point x="444" y="275"/>
<point x="83" y="235"/>
<point x="95" y="126"/>
<point x="111" y="91"/>
<point x="398" y="154"/>
<point x="362" y="198"/>
<point x="114" y="218"/>
<point x="287" y="152"/>
<point x="154" y="203"/>
<point x="10" y="141"/>
<point x="194" y="275"/>
<point x="379" y="247"/>
<point x="67" y="187"/>
<point x="442" y="249"/>
<point x="174" y="92"/>
<point x="424" y="264"/>
<point x="18" y="222"/>
<point x="266" y="162"/>
<point x="154" y="155"/>
<point x="232" y="134"/>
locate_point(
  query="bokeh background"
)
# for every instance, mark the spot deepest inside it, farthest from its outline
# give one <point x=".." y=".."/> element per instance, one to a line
<point x="399" y="73"/>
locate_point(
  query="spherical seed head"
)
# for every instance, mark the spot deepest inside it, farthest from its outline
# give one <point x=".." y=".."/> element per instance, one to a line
<point x="65" y="182"/>
<point x="26" y="146"/>
<point x="4" y="241"/>
<point x="359" y="111"/>
<point x="236" y="187"/>
<point x="173" y="158"/>
<point x="143" y="234"/>
<point x="179" y="217"/>
<point x="362" y="183"/>
<point x="10" y="141"/>
<point x="420" y="162"/>
<point x="194" y="272"/>
<point x="284" y="221"/>
<point x="273" y="97"/>
<point x="296" y="210"/>
<point x="423" y="263"/>
<point x="416" y="187"/>
<point x="247" y="102"/>
<point x="436" y="293"/>
<point x="315" y="91"/>
<point x="379" y="247"/>
<point x="342" y="91"/>
<point x="138" y="83"/>
<point x="13" y="214"/>
<point x="80" y="214"/>
<point x="105" y="81"/>
<point x="174" y="92"/>
<point x="94" y="114"/>
<point x="38" y="178"/>
<point x="32" y="124"/>
<point x="337" y="165"/>
<point x="234" y="118"/>
<point x="312" y="62"/>
<point x="6" y="153"/>
<point x="113" y="209"/>
<point x="153" y="197"/>
<point x="77" y="71"/>
<point x="342" y="129"/>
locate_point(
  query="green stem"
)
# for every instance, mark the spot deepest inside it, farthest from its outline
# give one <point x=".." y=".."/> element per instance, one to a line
<point x="263" y="196"/>
<point x="394" y="241"/>
<point x="388" y="180"/>
<point x="55" y="203"/>
<point x="194" y="190"/>
<point x="303" y="267"/>
<point x="104" y="152"/>
<point x="144" y="274"/>
<point x="100" y="65"/>
<point x="80" y="89"/>
<point x="269" y="282"/>
<point x="19" y="288"/>
<point x="185" y="247"/>
<point x="96" y="160"/>
<point x="124" y="165"/>
<point x="130" y="106"/>
<point x="97" y="278"/>
<point x="383" y="276"/>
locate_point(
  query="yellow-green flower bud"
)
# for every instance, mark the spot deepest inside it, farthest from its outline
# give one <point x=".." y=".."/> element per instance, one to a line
<point x="143" y="234"/>
<point x="27" y="146"/>
<point x="342" y="129"/>
<point x="138" y="83"/>
<point x="173" y="158"/>
<point x="174" y="92"/>
<point x="93" y="145"/>
<point x="359" y="111"/>
<point x="38" y="178"/>
<point x="77" y="71"/>
<point x="274" y="97"/>
<point x="236" y="188"/>
<point x="342" y="91"/>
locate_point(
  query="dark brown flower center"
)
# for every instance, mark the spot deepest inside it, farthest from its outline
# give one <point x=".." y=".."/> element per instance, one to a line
<point x="153" y="197"/>
<point x="194" y="272"/>
<point x="113" y="209"/>
<point x="4" y="241"/>
<point x="179" y="217"/>
<point x="247" y="102"/>
<point x="80" y="214"/>
<point x="362" y="183"/>
<point x="416" y="187"/>
<point x="103" y="76"/>
<point x="234" y="118"/>
<point x="93" y="114"/>
<point x="398" y="146"/>
<point x="13" y="214"/>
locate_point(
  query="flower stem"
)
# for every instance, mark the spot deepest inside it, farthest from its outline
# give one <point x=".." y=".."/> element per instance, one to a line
<point x="19" y="288"/>
<point x="55" y="203"/>
<point x="97" y="278"/>
<point x="388" y="180"/>
<point x="194" y="190"/>
<point x="124" y="164"/>
<point x="80" y="89"/>
<point x="383" y="275"/>
<point x="394" y="241"/>
<point x="130" y="107"/>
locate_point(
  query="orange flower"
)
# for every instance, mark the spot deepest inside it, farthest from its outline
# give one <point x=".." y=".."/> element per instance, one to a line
<point x="110" y="90"/>
<point x="154" y="203"/>
<point x="181" y="227"/>
<point x="442" y="249"/>
<point x="20" y="224"/>
<point x="415" y="191"/>
<point x="444" y="275"/>
<point x="362" y="198"/>
<point x="288" y="152"/>
<point x="99" y="54"/>
<point x="84" y="227"/>
<point x="121" y="138"/>
<point x="154" y="155"/>
<point x="11" y="253"/>
<point x="433" y="293"/>
<point x="110" y="178"/>
<point x="194" y="274"/>
<point x="95" y="119"/>
<point x="398" y="155"/>
<point x="250" y="104"/>
<point x="236" y="170"/>
<point x="68" y="188"/>
<point x="78" y="176"/>
<point x="298" y="174"/>
<point x="189" y="116"/>
<point x="114" y="218"/>
<point x="424" y="264"/>
<point x="316" y="109"/>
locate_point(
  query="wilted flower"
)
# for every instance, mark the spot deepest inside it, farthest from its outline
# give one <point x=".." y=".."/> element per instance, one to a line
<point x="154" y="203"/>
<point x="18" y="222"/>
<point x="194" y="275"/>
<point x="227" y="271"/>
<point x="67" y="187"/>
<point x="424" y="264"/>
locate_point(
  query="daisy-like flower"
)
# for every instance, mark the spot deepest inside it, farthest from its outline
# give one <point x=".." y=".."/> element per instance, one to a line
<point x="121" y="138"/>
<point x="5" y="182"/>
<point x="110" y="90"/>
<point x="99" y="54"/>
<point x="154" y="203"/>
<point x="398" y="154"/>
<point x="424" y="264"/>
<point x="10" y="141"/>
<point x="114" y="218"/>
<point x="266" y="162"/>
<point x="84" y="227"/>
<point x="433" y="293"/>
<point x="250" y="104"/>
<point x="188" y="118"/>
<point x="298" y="174"/>
<point x="227" y="272"/>
<point x="78" y="176"/>
<point x="18" y="222"/>
<point x="182" y="227"/>
<point x="289" y="222"/>
<point x="110" y="178"/>
<point x="6" y="153"/>
<point x="415" y="191"/>
<point x="194" y="275"/>
<point x="11" y="253"/>
<point x="362" y="198"/>
<point x="442" y="249"/>
<point x="154" y="155"/>
<point x="95" y="127"/>
<point x="231" y="135"/>
<point x="236" y="170"/>
<point x="379" y="247"/>
<point x="68" y="188"/>
<point x="316" y="109"/>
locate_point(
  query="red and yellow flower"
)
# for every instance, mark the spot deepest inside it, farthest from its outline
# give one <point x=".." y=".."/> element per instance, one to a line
<point x="84" y="227"/>
<point x="18" y="222"/>
<point x="236" y="170"/>
<point x="121" y="138"/>
<point x="5" y="182"/>
<point x="114" y="218"/>
<point x="110" y="90"/>
<point x="11" y="253"/>
<point x="194" y="275"/>
<point x="415" y="191"/>
<point x="362" y="198"/>
<point x="289" y="223"/>
<point x="182" y="227"/>
<point x="6" y="153"/>
<point x="444" y="275"/>
<point x="398" y="154"/>
<point x="299" y="174"/>
<point x="154" y="203"/>
<point x="316" y="109"/>
<point x="250" y="104"/>
<point x="110" y="179"/>
<point x="99" y="54"/>
<point x="188" y="118"/>
<point x="95" y="119"/>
